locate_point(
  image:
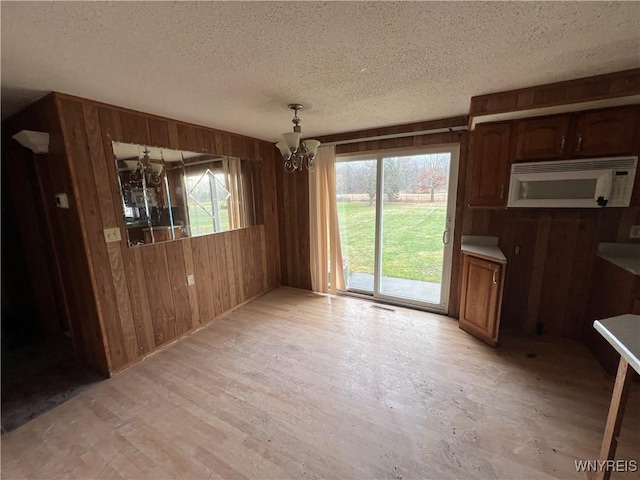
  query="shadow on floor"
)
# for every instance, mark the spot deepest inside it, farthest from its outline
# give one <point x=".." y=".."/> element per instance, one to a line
<point x="37" y="377"/>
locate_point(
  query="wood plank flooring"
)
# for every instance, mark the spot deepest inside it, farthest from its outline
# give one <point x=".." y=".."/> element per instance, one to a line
<point x="297" y="385"/>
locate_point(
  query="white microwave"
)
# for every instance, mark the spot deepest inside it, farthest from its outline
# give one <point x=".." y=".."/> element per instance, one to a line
<point x="589" y="183"/>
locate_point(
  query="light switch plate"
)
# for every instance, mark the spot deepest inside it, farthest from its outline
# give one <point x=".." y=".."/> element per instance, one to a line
<point x="634" y="231"/>
<point x="112" y="235"/>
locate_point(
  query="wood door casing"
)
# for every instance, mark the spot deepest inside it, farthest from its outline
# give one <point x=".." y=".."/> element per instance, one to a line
<point x="482" y="286"/>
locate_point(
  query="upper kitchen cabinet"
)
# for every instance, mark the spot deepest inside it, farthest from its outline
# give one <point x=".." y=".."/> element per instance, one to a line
<point x="596" y="133"/>
<point x="605" y="132"/>
<point x="489" y="168"/>
<point x="542" y="138"/>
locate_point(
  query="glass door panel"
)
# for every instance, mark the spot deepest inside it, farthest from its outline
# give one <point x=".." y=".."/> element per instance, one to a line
<point x="356" y="194"/>
<point x="413" y="220"/>
<point x="395" y="216"/>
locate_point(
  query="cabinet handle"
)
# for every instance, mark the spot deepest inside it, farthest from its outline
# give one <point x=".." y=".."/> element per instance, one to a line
<point x="562" y="142"/>
<point x="579" y="143"/>
<point x="502" y="191"/>
<point x="495" y="277"/>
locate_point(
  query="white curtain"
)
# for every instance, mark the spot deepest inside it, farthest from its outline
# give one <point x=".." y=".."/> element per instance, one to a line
<point x="327" y="274"/>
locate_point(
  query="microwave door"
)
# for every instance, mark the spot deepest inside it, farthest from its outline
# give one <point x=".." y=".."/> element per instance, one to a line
<point x="581" y="189"/>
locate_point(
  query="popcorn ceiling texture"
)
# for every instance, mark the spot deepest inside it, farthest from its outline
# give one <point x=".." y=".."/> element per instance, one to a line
<point x="236" y="65"/>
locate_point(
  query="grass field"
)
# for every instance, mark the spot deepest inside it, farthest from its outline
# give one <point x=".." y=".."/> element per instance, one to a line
<point x="411" y="239"/>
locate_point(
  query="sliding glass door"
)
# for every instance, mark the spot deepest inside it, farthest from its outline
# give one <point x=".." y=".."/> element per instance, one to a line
<point x="395" y="214"/>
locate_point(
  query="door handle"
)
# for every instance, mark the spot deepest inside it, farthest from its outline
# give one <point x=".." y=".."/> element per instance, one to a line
<point x="579" y="143"/>
<point x="445" y="236"/>
<point x="562" y="142"/>
<point x="495" y="277"/>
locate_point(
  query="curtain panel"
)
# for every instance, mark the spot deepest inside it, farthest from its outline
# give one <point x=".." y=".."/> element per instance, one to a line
<point x="327" y="275"/>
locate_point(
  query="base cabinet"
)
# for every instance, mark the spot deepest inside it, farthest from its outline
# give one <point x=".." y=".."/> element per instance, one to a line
<point x="481" y="299"/>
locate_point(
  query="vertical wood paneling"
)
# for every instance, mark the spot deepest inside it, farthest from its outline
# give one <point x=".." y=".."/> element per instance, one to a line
<point x="159" y="292"/>
<point x="555" y="287"/>
<point x="247" y="260"/>
<point x="187" y="137"/>
<point x="134" y="270"/>
<point x="193" y="292"/>
<point x="178" y="279"/>
<point x="239" y="266"/>
<point x="134" y="128"/>
<point x="215" y="275"/>
<point x="174" y="139"/>
<point x="158" y="132"/>
<point x="140" y="295"/>
<point x="586" y="245"/>
<point x="549" y="279"/>
<point x="96" y="249"/>
<point x="202" y="274"/>
<point x="261" y="246"/>
<point x="223" y="276"/>
<point x="230" y="268"/>
<point x="103" y="167"/>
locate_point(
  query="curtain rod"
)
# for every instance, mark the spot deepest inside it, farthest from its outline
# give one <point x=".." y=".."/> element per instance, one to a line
<point x="399" y="135"/>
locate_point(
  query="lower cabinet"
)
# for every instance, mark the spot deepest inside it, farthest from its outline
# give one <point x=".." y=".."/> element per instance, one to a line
<point x="481" y="297"/>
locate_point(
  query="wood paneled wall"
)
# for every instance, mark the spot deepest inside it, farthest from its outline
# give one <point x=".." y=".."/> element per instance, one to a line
<point x="293" y="210"/>
<point x="141" y="297"/>
<point x="550" y="259"/>
<point x="598" y="87"/>
<point x="76" y="294"/>
<point x="293" y="196"/>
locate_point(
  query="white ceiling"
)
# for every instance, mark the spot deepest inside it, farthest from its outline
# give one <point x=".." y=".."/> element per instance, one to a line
<point x="236" y="65"/>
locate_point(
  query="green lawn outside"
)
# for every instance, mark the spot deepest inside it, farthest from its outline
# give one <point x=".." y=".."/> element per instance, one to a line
<point x="202" y="224"/>
<point x="411" y="239"/>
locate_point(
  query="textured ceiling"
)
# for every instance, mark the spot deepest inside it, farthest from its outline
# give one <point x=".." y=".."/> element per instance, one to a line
<point x="236" y="65"/>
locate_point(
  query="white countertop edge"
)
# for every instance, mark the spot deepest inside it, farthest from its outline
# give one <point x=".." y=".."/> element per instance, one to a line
<point x="617" y="343"/>
<point x="628" y="264"/>
<point x="483" y="245"/>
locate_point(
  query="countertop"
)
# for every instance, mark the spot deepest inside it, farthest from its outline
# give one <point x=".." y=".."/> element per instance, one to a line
<point x="485" y="247"/>
<point x="623" y="333"/>
<point x="624" y="255"/>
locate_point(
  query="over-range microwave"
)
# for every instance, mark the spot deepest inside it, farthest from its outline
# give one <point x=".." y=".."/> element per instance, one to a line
<point x="588" y="183"/>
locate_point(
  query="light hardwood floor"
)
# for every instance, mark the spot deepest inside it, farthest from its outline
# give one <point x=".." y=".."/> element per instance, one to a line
<point x="297" y="385"/>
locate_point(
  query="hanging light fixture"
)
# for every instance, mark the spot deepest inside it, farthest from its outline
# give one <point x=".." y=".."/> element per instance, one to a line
<point x="145" y="169"/>
<point x="297" y="154"/>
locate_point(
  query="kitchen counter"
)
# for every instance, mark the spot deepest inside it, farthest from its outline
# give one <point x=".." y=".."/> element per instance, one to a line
<point x="623" y="333"/>
<point x="483" y="246"/>
<point x="624" y="255"/>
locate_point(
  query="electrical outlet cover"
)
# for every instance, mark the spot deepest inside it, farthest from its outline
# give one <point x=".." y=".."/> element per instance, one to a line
<point x="112" y="235"/>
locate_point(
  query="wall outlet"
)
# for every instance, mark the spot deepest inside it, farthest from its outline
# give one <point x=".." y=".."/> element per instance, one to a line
<point x="191" y="280"/>
<point x="62" y="201"/>
<point x="634" y="231"/>
<point x="112" y="235"/>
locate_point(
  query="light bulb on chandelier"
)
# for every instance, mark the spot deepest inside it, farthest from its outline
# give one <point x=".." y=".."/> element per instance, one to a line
<point x="297" y="154"/>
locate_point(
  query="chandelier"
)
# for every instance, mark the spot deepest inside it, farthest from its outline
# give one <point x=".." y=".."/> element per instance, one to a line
<point x="297" y="154"/>
<point x="145" y="169"/>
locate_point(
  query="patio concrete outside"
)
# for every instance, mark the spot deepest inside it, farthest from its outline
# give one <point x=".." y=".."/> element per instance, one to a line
<point x="397" y="287"/>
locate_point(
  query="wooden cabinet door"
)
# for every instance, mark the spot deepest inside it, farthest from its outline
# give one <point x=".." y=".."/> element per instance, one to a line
<point x="490" y="165"/>
<point x="605" y="132"/>
<point x="482" y="283"/>
<point x="542" y="138"/>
